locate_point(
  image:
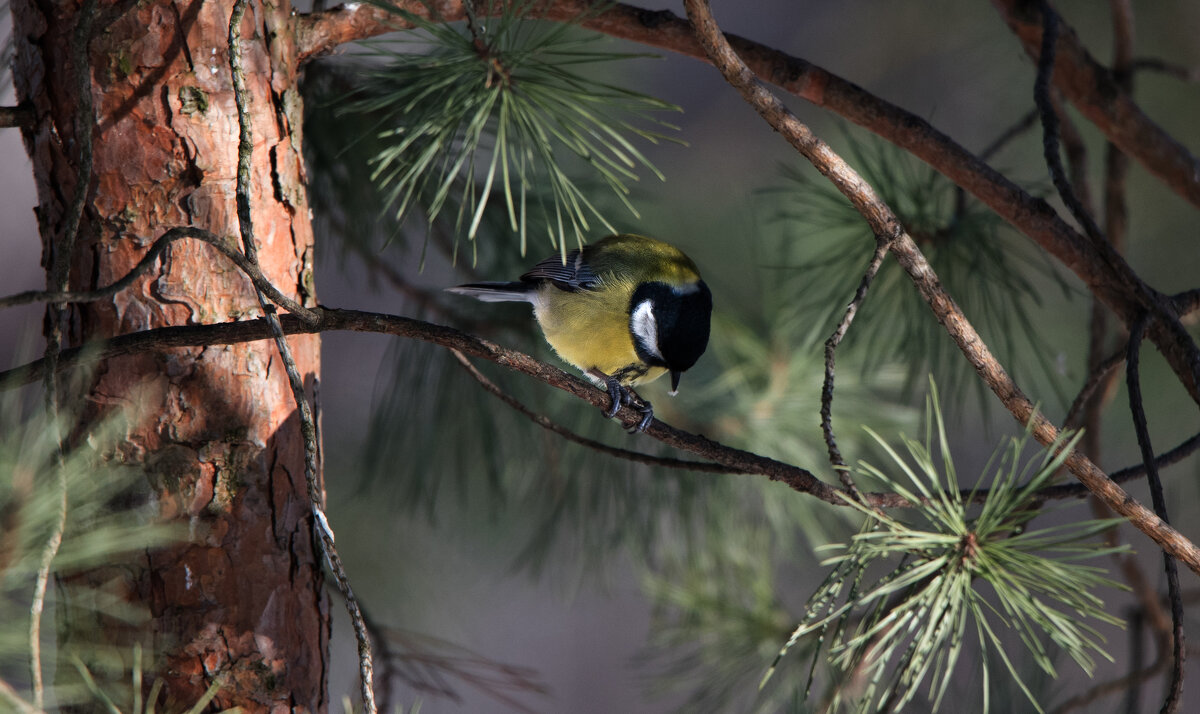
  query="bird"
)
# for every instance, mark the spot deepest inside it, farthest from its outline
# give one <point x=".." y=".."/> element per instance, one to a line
<point x="624" y="310"/>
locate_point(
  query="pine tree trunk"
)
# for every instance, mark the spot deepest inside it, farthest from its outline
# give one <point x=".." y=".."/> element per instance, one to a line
<point x="241" y="602"/>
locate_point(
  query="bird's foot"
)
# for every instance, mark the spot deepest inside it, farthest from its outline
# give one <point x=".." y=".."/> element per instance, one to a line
<point x="647" y="416"/>
<point x="624" y="396"/>
<point x="618" y="394"/>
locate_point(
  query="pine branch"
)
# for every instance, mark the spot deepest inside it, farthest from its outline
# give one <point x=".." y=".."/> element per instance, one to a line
<point x="319" y="320"/>
<point x="736" y="460"/>
<point x="251" y="269"/>
<point x="358" y="321"/>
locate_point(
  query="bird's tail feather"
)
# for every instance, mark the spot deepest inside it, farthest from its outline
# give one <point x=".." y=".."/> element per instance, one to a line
<point x="497" y="292"/>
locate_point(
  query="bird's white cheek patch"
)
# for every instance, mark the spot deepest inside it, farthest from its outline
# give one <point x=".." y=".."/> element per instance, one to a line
<point x="645" y="327"/>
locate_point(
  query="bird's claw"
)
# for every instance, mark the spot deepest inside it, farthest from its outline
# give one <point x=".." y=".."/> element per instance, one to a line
<point x="617" y="394"/>
<point x="647" y="417"/>
<point x="623" y="396"/>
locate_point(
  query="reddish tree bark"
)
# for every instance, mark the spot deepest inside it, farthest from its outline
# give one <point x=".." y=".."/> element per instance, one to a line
<point x="241" y="602"/>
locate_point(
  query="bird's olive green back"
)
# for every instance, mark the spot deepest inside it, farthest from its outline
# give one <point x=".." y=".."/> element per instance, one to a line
<point x="639" y="259"/>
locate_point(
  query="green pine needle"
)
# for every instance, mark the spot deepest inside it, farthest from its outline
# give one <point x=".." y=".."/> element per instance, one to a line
<point x="494" y="109"/>
<point x="992" y="271"/>
<point x="952" y="567"/>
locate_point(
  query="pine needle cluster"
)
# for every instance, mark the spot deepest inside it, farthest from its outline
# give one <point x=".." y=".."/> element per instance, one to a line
<point x="905" y="594"/>
<point x="494" y="106"/>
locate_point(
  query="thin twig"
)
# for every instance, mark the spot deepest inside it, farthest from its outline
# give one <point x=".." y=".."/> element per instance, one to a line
<point x="1171" y="69"/>
<point x="1124" y="682"/>
<point x="308" y="427"/>
<point x="60" y="249"/>
<point x="251" y="269"/>
<point x="384" y="654"/>
<point x="1179" y="652"/>
<point x="1021" y="126"/>
<point x="1101" y="372"/>
<point x="545" y="423"/>
<point x="1051" y="127"/>
<point x="883" y="222"/>
<point x="21" y="115"/>
<point x="835" y="455"/>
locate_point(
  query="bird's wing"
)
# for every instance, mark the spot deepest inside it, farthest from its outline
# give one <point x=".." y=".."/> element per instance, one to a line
<point x="572" y="276"/>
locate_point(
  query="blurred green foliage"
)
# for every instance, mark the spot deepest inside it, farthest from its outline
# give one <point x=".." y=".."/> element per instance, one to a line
<point x="466" y="113"/>
<point x="108" y="523"/>
<point x="996" y="275"/>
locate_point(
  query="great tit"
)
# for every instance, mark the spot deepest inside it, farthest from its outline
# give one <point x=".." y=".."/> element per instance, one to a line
<point x="624" y="310"/>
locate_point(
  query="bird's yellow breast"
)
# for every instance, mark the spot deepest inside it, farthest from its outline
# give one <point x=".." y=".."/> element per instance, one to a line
<point x="590" y="329"/>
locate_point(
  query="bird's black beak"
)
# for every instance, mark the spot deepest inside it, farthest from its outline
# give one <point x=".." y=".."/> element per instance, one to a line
<point x="675" y="375"/>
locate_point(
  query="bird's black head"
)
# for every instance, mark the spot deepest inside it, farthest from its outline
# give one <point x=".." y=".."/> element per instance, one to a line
<point x="670" y="325"/>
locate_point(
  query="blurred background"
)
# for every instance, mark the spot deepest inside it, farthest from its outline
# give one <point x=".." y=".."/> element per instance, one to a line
<point x="519" y="572"/>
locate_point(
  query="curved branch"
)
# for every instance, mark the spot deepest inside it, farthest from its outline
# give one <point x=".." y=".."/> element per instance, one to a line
<point x="884" y="223"/>
<point x="148" y="260"/>
<point x="1171" y="69"/>
<point x="1098" y="376"/>
<point x="1119" y="684"/>
<point x="831" y="345"/>
<point x="319" y="33"/>
<point x="1133" y="383"/>
<point x="356" y="321"/>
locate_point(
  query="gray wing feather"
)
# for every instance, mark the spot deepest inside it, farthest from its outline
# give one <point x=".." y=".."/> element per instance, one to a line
<point x="573" y="276"/>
